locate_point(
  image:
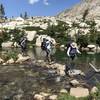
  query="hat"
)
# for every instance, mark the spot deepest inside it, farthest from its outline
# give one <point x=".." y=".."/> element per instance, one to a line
<point x="73" y="45"/>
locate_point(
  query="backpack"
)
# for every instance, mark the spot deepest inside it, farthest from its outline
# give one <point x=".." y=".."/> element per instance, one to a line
<point x="73" y="51"/>
<point x="43" y="45"/>
<point x="22" y="41"/>
<point x="67" y="46"/>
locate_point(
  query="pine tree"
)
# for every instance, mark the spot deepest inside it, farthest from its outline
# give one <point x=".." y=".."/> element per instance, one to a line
<point x="2" y="11"/>
<point x="21" y="15"/>
<point x="25" y="15"/>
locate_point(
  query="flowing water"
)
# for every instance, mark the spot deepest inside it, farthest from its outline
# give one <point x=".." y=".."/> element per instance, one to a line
<point x="25" y="80"/>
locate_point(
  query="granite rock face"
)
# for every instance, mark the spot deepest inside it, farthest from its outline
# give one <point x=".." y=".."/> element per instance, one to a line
<point x="92" y="6"/>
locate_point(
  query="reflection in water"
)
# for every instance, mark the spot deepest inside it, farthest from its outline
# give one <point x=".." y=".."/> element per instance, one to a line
<point x="40" y="54"/>
<point x="82" y="61"/>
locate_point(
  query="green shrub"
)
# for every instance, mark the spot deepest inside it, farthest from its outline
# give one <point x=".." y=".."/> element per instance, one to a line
<point x="82" y="40"/>
<point x="31" y="28"/>
<point x="66" y="97"/>
<point x="98" y="39"/>
<point x="9" y="54"/>
<point x="96" y="95"/>
<point x="17" y="34"/>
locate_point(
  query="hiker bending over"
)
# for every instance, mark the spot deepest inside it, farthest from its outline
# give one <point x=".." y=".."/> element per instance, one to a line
<point x="46" y="45"/>
<point x="23" y="44"/>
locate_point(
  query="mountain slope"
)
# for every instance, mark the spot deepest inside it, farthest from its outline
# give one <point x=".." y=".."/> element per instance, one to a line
<point x="93" y="7"/>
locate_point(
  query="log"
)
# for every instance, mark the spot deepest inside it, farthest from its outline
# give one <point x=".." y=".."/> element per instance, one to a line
<point x="95" y="69"/>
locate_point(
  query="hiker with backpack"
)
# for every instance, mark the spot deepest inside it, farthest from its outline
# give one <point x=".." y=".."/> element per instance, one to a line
<point x="72" y="51"/>
<point x="46" y="45"/>
<point x="23" y="44"/>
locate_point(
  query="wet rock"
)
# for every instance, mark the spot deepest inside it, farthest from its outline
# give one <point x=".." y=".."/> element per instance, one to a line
<point x="62" y="46"/>
<point x="94" y="90"/>
<point x="44" y="94"/>
<point x="22" y="58"/>
<point x="10" y="61"/>
<point x="1" y="60"/>
<point x="53" y="97"/>
<point x="4" y="64"/>
<point x="74" y="82"/>
<point x="39" y="97"/>
<point x="59" y="68"/>
<point x="18" y="97"/>
<point x="63" y="91"/>
<point x="58" y="79"/>
<point x="51" y="71"/>
<point x="6" y="98"/>
<point x="75" y="72"/>
<point x="40" y="61"/>
<point x="91" y="47"/>
<point x="79" y="92"/>
<point x="61" y="72"/>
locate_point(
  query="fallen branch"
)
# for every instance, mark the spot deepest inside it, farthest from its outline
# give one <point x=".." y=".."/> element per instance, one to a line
<point x="96" y="70"/>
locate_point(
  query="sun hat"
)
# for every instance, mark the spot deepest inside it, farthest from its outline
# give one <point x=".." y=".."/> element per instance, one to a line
<point x="73" y="45"/>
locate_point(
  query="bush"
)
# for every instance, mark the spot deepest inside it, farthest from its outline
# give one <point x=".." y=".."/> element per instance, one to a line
<point x="31" y="28"/>
<point x="82" y="40"/>
<point x="66" y="97"/>
<point x="17" y="34"/>
<point x="9" y="54"/>
<point x="96" y="96"/>
<point x="98" y="39"/>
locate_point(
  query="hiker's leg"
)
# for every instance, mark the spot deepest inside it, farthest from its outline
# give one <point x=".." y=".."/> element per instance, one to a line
<point x="48" y="55"/>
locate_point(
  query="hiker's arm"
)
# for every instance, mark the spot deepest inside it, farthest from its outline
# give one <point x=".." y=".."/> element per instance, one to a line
<point x="68" y="51"/>
<point x="78" y="51"/>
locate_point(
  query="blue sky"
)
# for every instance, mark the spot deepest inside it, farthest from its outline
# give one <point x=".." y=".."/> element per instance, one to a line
<point x="36" y="7"/>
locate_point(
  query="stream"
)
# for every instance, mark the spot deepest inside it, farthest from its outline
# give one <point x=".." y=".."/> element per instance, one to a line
<point x="25" y="80"/>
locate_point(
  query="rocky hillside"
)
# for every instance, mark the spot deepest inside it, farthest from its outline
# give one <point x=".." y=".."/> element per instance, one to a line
<point x="91" y="6"/>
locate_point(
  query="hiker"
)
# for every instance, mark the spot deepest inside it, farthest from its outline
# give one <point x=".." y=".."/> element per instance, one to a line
<point x="73" y="50"/>
<point x="23" y="44"/>
<point x="46" y="45"/>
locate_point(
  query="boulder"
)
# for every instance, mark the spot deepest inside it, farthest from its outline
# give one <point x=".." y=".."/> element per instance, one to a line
<point x="92" y="47"/>
<point x="39" y="97"/>
<point x="74" y="82"/>
<point x="7" y="44"/>
<point x="94" y="90"/>
<point x="44" y="26"/>
<point x="62" y="46"/>
<point x="79" y="92"/>
<point x="30" y="35"/>
<point x="40" y="39"/>
<point x="63" y="91"/>
<point x="10" y="61"/>
<point x="22" y="58"/>
<point x="4" y="64"/>
<point x="75" y="72"/>
<point x="53" y="97"/>
<point x="44" y="94"/>
<point x="61" y="72"/>
<point x="1" y="60"/>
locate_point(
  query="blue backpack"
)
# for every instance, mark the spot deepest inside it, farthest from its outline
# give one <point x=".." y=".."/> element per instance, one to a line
<point x="73" y="51"/>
